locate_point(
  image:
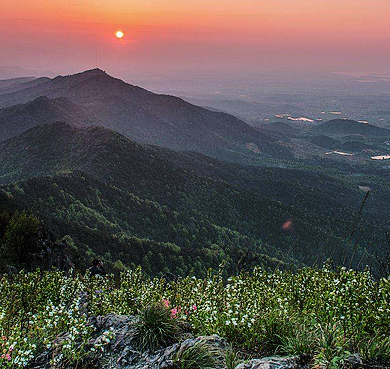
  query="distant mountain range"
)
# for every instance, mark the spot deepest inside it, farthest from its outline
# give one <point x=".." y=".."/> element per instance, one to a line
<point x="9" y="85"/>
<point x="7" y="72"/>
<point x="93" y="98"/>
<point x="145" y="117"/>
<point x="333" y="144"/>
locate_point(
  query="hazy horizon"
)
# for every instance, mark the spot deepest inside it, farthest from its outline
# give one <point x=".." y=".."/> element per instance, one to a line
<point x="171" y="35"/>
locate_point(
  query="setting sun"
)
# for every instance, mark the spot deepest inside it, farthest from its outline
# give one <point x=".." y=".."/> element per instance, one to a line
<point x="119" y="34"/>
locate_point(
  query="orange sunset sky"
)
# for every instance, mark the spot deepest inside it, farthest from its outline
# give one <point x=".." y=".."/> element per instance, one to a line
<point x="70" y="35"/>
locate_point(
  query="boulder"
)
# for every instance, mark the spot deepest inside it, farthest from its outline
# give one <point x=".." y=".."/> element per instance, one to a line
<point x="276" y="363"/>
<point x="164" y="358"/>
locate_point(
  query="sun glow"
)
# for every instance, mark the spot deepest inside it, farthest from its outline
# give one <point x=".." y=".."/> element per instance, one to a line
<point x="119" y="34"/>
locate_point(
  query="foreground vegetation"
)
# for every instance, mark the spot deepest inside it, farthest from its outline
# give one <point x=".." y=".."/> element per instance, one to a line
<point x="328" y="314"/>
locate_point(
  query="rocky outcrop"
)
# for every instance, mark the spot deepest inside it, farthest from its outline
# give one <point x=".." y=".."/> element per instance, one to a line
<point x="43" y="251"/>
<point x="296" y="362"/>
<point x="164" y="358"/>
<point x="276" y="363"/>
<point x="48" y="252"/>
<point x="113" y="335"/>
<point x="111" y="347"/>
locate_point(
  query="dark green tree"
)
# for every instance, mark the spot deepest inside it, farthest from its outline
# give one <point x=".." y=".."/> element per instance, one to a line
<point x="19" y="238"/>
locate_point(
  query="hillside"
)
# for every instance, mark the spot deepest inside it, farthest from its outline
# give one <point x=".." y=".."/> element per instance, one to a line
<point x="326" y="142"/>
<point x="111" y="194"/>
<point x="150" y="118"/>
<point x="356" y="146"/>
<point x="19" y="118"/>
<point x="349" y="127"/>
<point x="281" y="127"/>
<point x="12" y="84"/>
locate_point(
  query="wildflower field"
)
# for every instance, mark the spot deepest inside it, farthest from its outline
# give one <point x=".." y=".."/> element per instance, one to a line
<point x="327" y="314"/>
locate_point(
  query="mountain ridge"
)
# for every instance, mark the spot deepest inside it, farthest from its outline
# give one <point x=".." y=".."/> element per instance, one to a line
<point x="146" y="117"/>
<point x="42" y="110"/>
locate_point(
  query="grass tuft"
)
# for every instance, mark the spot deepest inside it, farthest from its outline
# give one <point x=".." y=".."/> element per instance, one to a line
<point x="199" y="356"/>
<point x="232" y="359"/>
<point x="375" y="349"/>
<point x="155" y="328"/>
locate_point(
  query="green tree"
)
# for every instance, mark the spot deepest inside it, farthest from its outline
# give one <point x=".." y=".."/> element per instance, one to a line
<point x="19" y="239"/>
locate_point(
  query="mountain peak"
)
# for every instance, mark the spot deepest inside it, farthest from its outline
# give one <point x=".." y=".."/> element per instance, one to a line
<point x="94" y="72"/>
<point x="87" y="74"/>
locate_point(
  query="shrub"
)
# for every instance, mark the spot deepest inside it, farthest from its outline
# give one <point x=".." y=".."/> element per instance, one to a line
<point x="331" y="313"/>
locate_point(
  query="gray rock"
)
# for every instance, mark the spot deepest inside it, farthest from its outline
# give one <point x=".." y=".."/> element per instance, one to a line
<point x="353" y="361"/>
<point x="274" y="363"/>
<point x="164" y="358"/>
<point x="119" y="346"/>
<point x="48" y="253"/>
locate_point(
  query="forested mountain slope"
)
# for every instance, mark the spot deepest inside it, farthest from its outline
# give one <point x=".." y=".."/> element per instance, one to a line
<point x="16" y="119"/>
<point x="108" y="193"/>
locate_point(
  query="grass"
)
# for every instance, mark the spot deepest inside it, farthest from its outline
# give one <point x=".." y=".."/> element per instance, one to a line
<point x="199" y="356"/>
<point x="232" y="358"/>
<point x="155" y="328"/>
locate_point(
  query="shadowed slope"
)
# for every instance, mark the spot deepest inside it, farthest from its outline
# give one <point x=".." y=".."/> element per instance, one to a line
<point x="155" y="119"/>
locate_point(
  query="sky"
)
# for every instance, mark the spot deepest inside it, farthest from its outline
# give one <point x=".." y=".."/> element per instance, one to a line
<point x="213" y="35"/>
